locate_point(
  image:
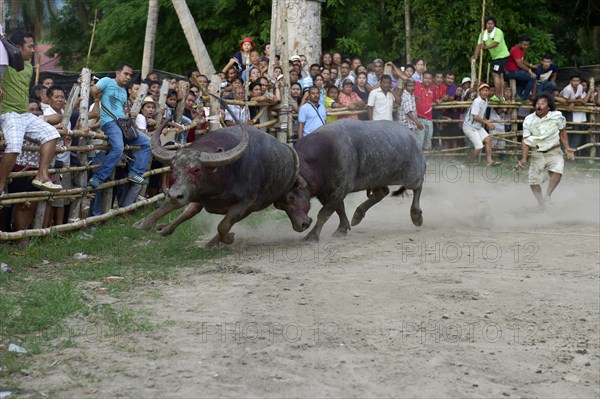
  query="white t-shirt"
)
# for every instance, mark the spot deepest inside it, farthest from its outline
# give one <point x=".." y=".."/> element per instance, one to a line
<point x="141" y="122"/>
<point x="65" y="157"/>
<point x="478" y="108"/>
<point x="571" y="94"/>
<point x="382" y="105"/>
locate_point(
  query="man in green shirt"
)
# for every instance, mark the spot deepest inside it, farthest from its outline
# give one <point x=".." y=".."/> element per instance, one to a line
<point x="16" y="123"/>
<point x="493" y="40"/>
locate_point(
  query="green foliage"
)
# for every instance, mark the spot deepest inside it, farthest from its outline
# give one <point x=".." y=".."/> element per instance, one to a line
<point x="444" y="34"/>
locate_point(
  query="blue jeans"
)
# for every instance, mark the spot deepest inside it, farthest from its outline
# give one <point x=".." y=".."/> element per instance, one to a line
<point x="424" y="135"/>
<point x="524" y="83"/>
<point x="115" y="139"/>
<point x="545" y="87"/>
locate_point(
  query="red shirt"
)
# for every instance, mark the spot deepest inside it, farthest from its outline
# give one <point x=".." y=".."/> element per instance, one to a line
<point x="516" y="53"/>
<point x="439" y="91"/>
<point x="424" y="97"/>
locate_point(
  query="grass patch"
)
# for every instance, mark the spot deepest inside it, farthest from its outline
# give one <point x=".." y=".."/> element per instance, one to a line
<point x="50" y="285"/>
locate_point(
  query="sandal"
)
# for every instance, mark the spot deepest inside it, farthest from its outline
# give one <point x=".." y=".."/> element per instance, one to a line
<point x="46" y="185"/>
<point x="495" y="163"/>
<point x="137" y="179"/>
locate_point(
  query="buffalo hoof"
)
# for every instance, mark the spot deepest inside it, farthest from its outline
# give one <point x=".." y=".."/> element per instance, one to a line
<point x="417" y="217"/>
<point x="164" y="230"/>
<point x="311" y="238"/>
<point x="357" y="217"/>
<point x="340" y="233"/>
<point x="228" y="238"/>
<point x="142" y="225"/>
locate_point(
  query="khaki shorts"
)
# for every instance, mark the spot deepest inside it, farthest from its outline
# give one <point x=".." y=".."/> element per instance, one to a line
<point x="553" y="160"/>
<point x="476" y="136"/>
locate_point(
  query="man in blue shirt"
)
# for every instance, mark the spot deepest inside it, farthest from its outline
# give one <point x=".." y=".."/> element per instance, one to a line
<point x="113" y="97"/>
<point x="545" y="74"/>
<point x="312" y="114"/>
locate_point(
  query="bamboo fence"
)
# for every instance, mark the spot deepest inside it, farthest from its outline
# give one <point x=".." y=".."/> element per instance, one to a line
<point x="511" y="147"/>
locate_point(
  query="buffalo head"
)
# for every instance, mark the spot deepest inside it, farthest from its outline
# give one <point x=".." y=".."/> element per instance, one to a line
<point x="296" y="204"/>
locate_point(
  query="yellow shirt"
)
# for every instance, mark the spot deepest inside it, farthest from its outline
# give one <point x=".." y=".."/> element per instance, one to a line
<point x="328" y="103"/>
<point x="543" y="133"/>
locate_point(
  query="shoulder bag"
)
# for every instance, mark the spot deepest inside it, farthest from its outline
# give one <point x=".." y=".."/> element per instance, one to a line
<point x="15" y="59"/>
<point x="127" y="125"/>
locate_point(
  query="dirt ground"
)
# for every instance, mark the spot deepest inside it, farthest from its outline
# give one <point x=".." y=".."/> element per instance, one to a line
<point x="489" y="298"/>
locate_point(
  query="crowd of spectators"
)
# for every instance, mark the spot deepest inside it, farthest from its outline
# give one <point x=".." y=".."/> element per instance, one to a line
<point x="372" y="90"/>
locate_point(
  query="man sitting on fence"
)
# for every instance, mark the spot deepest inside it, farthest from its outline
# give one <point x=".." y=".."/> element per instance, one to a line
<point x="16" y="123"/>
<point x="113" y="98"/>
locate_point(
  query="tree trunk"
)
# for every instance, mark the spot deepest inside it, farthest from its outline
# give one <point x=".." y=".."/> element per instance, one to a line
<point x="407" y="29"/>
<point x="203" y="61"/>
<point x="150" y="38"/>
<point x="303" y="18"/>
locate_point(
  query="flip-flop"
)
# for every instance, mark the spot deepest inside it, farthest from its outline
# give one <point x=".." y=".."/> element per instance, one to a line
<point x="46" y="185"/>
<point x="495" y="163"/>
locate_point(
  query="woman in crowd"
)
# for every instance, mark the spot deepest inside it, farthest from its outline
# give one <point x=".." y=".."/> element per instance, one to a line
<point x="295" y="96"/>
<point x="326" y="60"/>
<point x="242" y="57"/>
<point x="348" y="98"/>
<point x="361" y="87"/>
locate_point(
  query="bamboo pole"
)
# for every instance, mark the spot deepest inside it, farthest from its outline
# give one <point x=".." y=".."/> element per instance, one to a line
<point x="137" y="103"/>
<point x="481" y="48"/>
<point x="215" y="105"/>
<point x="39" y="232"/>
<point x="162" y="101"/>
<point x="81" y="177"/>
<point x="73" y="98"/>
<point x="87" y="62"/>
<point x="185" y="87"/>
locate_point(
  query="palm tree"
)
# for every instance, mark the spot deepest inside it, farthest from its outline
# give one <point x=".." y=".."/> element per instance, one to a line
<point x="150" y="39"/>
<point x="203" y="61"/>
<point x="31" y="15"/>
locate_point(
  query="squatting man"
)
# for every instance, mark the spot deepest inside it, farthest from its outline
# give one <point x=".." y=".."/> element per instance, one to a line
<point x="544" y="131"/>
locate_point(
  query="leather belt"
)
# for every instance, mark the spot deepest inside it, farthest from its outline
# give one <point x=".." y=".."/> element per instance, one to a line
<point x="549" y="149"/>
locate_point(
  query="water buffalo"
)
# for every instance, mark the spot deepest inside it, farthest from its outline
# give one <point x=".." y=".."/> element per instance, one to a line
<point x="348" y="156"/>
<point x="232" y="171"/>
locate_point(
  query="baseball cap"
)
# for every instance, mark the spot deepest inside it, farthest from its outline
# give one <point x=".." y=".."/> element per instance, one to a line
<point x="295" y="58"/>
<point x="483" y="86"/>
<point x="465" y="80"/>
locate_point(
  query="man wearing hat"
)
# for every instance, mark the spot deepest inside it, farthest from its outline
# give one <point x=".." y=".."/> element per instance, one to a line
<point x="473" y="127"/>
<point x="466" y="85"/>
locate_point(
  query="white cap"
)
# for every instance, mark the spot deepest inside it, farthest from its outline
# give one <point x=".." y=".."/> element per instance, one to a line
<point x="465" y="80"/>
<point x="295" y="58"/>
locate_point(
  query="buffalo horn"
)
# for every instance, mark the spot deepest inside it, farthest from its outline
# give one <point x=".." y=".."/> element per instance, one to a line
<point x="158" y="151"/>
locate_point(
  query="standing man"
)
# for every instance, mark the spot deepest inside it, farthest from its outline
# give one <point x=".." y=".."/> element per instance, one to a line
<point x="381" y="101"/>
<point x="573" y="95"/>
<point x="312" y="114"/>
<point x="345" y="74"/>
<point x="312" y="72"/>
<point x="425" y="96"/>
<point x="473" y="127"/>
<point x="493" y="40"/>
<point x="520" y="70"/>
<point x="16" y="123"/>
<point x="408" y="107"/>
<point x="544" y="131"/>
<point x="113" y="98"/>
